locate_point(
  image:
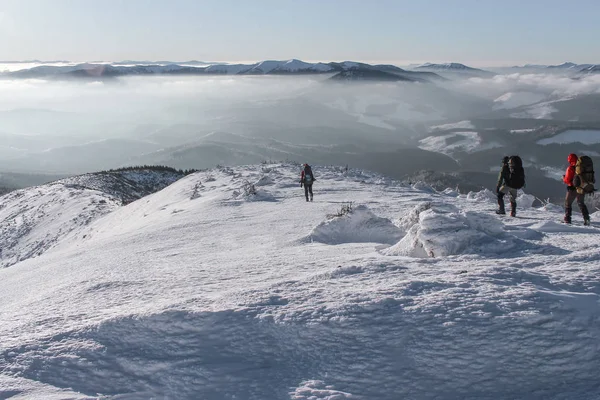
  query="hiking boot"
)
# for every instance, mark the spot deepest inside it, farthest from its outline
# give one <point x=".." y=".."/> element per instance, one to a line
<point x="586" y="222"/>
<point x="513" y="213"/>
<point x="513" y="209"/>
<point x="311" y="198"/>
<point x="500" y="212"/>
<point x="568" y="213"/>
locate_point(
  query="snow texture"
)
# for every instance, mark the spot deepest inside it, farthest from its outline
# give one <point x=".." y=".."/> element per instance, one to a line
<point x="456" y="125"/>
<point x="573" y="136"/>
<point x="469" y="142"/>
<point x="194" y="293"/>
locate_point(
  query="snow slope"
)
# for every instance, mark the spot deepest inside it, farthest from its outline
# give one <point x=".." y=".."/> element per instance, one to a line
<point x="36" y="219"/>
<point x="204" y="291"/>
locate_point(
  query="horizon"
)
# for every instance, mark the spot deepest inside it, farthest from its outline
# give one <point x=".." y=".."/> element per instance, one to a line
<point x="256" y="61"/>
<point x="391" y="32"/>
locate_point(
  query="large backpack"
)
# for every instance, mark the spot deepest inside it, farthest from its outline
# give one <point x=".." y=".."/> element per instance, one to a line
<point x="517" y="173"/>
<point x="308" y="175"/>
<point x="585" y="171"/>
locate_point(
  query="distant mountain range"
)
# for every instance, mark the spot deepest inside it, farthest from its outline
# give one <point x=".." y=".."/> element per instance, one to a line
<point x="347" y="70"/>
<point x="566" y="66"/>
<point x="454" y="70"/>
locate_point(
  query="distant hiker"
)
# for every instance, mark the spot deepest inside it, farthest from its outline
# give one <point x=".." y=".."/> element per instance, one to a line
<point x="579" y="179"/>
<point x="306" y="179"/>
<point x="510" y="180"/>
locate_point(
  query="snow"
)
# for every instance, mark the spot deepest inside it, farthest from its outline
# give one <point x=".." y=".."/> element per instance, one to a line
<point x="528" y="130"/>
<point x="195" y="293"/>
<point x="34" y="220"/>
<point x="537" y="111"/>
<point x="517" y="99"/>
<point x="469" y="142"/>
<point x="573" y="136"/>
<point x="456" y="125"/>
<point x="358" y="226"/>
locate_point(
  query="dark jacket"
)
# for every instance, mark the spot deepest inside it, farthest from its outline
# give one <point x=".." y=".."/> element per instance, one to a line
<point x="503" y="177"/>
<point x="307" y="172"/>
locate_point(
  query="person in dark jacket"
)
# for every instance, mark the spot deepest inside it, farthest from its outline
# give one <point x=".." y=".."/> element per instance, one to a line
<point x="571" y="180"/>
<point x="306" y="179"/>
<point x="503" y="187"/>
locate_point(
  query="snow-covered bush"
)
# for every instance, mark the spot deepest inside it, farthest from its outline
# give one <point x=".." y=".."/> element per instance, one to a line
<point x="345" y="209"/>
<point x="248" y="188"/>
<point x="196" y="191"/>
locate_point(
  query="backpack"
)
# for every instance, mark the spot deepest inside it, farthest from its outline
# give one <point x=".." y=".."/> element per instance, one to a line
<point x="584" y="169"/>
<point x="308" y="174"/>
<point x="517" y="173"/>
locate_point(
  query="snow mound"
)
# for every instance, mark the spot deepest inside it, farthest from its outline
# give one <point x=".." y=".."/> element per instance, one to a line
<point x="422" y="186"/>
<point x="451" y="192"/>
<point x="359" y="225"/>
<point x="264" y="181"/>
<point x="483" y="196"/>
<point x="440" y="233"/>
<point x="318" y="390"/>
<point x="525" y="200"/>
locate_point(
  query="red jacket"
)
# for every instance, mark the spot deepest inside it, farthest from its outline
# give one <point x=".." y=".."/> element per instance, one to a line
<point x="570" y="174"/>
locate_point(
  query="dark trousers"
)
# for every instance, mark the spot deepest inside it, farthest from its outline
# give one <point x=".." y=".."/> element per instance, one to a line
<point x="572" y="195"/>
<point x="307" y="190"/>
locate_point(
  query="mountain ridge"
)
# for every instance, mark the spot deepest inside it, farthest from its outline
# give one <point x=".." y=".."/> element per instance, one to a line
<point x="267" y="67"/>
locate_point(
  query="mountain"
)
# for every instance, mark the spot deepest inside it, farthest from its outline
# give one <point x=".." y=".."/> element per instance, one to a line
<point x="564" y="67"/>
<point x="33" y="220"/>
<point x="358" y="74"/>
<point x="591" y="69"/>
<point x="227" y="284"/>
<point x="269" y="67"/>
<point x="454" y="69"/>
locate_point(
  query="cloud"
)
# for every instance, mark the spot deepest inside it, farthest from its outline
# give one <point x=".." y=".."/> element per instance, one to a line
<point x="547" y="84"/>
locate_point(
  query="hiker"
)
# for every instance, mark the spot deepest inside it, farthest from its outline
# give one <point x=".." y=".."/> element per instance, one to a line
<point x="306" y="179"/>
<point x="510" y="180"/>
<point x="576" y="188"/>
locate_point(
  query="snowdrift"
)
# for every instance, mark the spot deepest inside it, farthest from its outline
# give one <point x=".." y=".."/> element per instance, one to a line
<point x="446" y="231"/>
<point x="358" y="226"/>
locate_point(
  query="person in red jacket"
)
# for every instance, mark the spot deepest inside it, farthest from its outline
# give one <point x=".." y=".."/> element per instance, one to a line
<point x="306" y="179"/>
<point x="571" y="180"/>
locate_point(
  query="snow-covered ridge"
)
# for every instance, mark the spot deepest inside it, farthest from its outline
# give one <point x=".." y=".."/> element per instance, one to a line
<point x="33" y="220"/>
<point x="268" y="67"/>
<point x="227" y="284"/>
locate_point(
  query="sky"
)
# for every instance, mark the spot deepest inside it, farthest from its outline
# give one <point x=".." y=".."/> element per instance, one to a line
<point x="477" y="32"/>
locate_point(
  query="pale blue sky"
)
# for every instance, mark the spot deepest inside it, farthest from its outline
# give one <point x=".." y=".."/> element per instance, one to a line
<point x="476" y="32"/>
